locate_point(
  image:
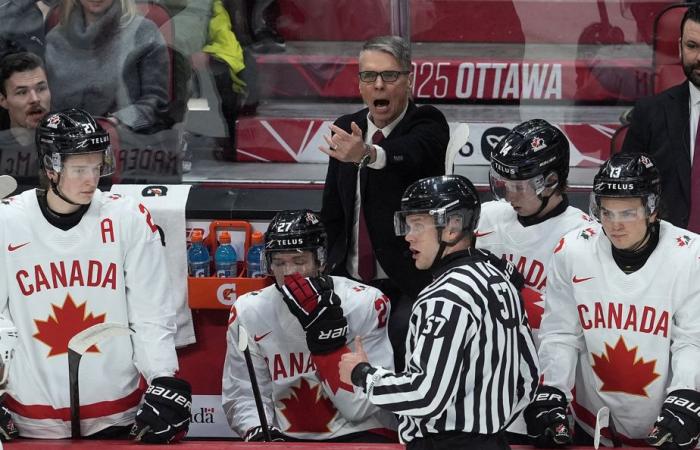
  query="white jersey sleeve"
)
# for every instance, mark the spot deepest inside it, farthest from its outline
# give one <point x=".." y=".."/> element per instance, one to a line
<point x="151" y="310"/>
<point x="685" y="332"/>
<point x="367" y="311"/>
<point x="561" y="335"/>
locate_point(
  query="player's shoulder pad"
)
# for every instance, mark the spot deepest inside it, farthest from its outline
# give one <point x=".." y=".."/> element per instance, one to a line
<point x="682" y="241"/>
<point x="582" y="237"/>
<point x="353" y="292"/>
<point x="492" y="214"/>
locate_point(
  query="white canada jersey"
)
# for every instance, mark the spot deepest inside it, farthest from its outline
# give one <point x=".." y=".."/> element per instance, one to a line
<point x="528" y="248"/>
<point x="55" y="283"/>
<point x="303" y="394"/>
<point x="622" y="340"/>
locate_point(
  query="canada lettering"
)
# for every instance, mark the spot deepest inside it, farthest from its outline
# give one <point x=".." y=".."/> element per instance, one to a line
<point x="290" y="365"/>
<point x="617" y="316"/>
<point x="62" y="274"/>
<point x="533" y="271"/>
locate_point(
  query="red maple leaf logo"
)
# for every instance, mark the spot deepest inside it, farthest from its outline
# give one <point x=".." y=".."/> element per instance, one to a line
<point x="65" y="323"/>
<point x="621" y="371"/>
<point x="308" y="409"/>
<point x="533" y="306"/>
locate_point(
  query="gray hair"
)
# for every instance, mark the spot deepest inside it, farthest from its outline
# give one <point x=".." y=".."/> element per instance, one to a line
<point x="396" y="46"/>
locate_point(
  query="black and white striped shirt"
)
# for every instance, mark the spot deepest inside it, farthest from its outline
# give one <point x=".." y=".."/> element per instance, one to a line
<point x="471" y="361"/>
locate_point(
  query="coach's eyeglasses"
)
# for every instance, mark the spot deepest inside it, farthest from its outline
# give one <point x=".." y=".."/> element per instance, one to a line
<point x="388" y="76"/>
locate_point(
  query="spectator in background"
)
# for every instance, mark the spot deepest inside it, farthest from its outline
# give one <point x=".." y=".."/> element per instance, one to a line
<point x="23" y="22"/>
<point x="108" y="60"/>
<point x="375" y="154"/>
<point x="25" y="95"/>
<point x="666" y="127"/>
<point x="254" y="24"/>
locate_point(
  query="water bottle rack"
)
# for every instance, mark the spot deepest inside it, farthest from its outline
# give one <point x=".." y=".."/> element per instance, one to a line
<point x="220" y="293"/>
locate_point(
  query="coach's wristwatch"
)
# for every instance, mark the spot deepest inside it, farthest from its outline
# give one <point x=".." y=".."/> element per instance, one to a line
<point x="366" y="158"/>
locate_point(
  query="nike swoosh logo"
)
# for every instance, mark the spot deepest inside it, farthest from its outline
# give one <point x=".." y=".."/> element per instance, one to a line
<point x="261" y="337"/>
<point x="580" y="280"/>
<point x="485" y="233"/>
<point x="12" y="248"/>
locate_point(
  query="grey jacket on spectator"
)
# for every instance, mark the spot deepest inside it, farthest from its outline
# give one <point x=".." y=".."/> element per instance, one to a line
<point x="110" y="68"/>
<point x="21" y="21"/>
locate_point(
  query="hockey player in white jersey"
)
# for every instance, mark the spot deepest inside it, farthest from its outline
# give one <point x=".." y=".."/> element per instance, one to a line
<point x="528" y="178"/>
<point x="622" y="321"/>
<point x="299" y="328"/>
<point x="73" y="257"/>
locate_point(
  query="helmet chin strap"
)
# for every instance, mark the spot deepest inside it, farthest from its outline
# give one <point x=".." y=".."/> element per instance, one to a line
<point x="443" y="246"/>
<point x="54" y="188"/>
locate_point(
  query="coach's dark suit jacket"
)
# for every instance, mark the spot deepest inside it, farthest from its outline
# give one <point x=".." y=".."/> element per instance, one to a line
<point x="661" y="128"/>
<point x="415" y="149"/>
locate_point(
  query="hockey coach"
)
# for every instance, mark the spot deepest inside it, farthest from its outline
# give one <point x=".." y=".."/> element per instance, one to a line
<point x="471" y="361"/>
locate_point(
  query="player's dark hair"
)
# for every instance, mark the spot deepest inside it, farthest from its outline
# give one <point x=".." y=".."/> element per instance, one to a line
<point x="17" y="62"/>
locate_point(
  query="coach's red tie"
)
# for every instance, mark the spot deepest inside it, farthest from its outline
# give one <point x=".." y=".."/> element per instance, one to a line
<point x="694" y="221"/>
<point x="365" y="255"/>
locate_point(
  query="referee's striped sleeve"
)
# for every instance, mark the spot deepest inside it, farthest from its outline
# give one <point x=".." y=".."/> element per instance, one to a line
<point x="443" y="327"/>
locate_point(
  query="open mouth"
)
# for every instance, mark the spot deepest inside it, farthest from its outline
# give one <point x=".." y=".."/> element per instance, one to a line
<point x="381" y="104"/>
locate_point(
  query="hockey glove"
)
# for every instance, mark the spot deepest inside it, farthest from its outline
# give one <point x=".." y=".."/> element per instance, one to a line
<point x="678" y="424"/>
<point x="318" y="309"/>
<point x="507" y="267"/>
<point x="8" y="430"/>
<point x="256" y="434"/>
<point x="164" y="415"/>
<point x="547" y="425"/>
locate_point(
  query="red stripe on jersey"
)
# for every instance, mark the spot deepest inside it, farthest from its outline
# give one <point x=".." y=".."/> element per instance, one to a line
<point x="327" y="366"/>
<point x="94" y="410"/>
<point x="588" y="418"/>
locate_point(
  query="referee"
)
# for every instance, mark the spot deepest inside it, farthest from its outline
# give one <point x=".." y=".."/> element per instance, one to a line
<point x="471" y="362"/>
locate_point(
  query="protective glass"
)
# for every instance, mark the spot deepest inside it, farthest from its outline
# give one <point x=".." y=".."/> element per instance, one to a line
<point x="388" y="76"/>
<point x="619" y="215"/>
<point x="503" y="187"/>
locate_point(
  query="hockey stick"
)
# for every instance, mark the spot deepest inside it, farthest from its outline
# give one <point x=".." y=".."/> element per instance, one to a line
<point x="603" y="419"/>
<point x="7" y="185"/>
<point x="77" y="347"/>
<point x="243" y="346"/>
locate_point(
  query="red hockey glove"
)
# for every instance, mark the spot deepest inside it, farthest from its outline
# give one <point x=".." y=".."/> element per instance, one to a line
<point x="317" y="307"/>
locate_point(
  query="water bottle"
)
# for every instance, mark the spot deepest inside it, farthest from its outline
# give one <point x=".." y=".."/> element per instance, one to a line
<point x="225" y="257"/>
<point x="198" y="256"/>
<point x="254" y="258"/>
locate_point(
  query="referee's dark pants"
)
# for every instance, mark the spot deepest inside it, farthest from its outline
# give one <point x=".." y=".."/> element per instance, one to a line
<point x="453" y="440"/>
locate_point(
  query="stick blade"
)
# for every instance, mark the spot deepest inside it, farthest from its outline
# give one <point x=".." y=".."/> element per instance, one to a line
<point x="7" y="185"/>
<point x="602" y="420"/>
<point x="242" y="338"/>
<point x="82" y="341"/>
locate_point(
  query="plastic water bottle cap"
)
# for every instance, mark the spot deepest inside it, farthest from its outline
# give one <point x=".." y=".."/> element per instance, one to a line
<point x="224" y="237"/>
<point x="258" y="237"/>
<point x="197" y="236"/>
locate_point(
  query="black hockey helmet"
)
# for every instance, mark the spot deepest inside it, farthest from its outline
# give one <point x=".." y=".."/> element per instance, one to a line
<point x="72" y="132"/>
<point x="627" y="175"/>
<point x="299" y="230"/>
<point x="442" y="198"/>
<point x="532" y="148"/>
